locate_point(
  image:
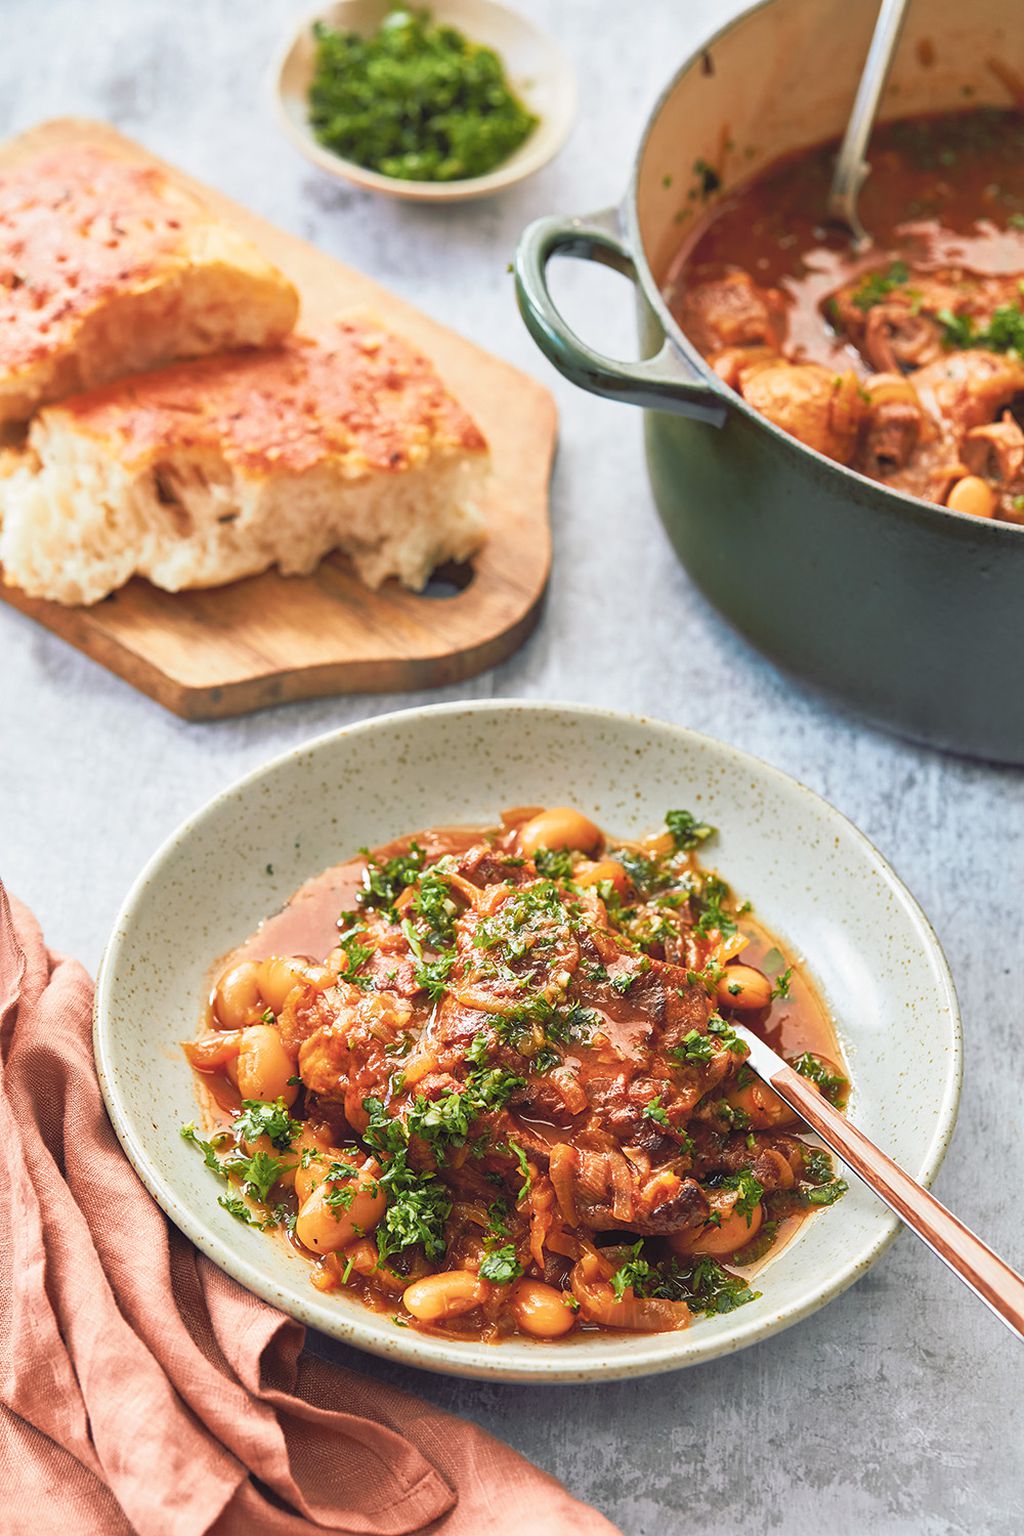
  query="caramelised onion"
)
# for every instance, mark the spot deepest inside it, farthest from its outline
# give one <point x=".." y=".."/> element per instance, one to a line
<point x="591" y="1285"/>
<point x="623" y="1188"/>
<point x="574" y="1095"/>
<point x="213" y="1050"/>
<point x="562" y="1173"/>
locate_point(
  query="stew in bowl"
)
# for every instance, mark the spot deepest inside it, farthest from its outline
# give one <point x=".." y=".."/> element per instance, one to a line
<point x="869" y="992"/>
<point x="498" y="1091"/>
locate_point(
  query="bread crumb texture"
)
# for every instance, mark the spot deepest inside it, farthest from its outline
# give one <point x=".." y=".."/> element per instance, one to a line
<point x="212" y="470"/>
<point x="107" y="267"/>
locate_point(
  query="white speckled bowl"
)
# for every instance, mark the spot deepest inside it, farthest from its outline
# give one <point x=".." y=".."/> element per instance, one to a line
<point x="813" y="878"/>
<point x="535" y="66"/>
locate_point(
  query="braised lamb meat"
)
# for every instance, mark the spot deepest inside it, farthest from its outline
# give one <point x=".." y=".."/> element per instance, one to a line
<point x="907" y="362"/>
<point x="513" y="1073"/>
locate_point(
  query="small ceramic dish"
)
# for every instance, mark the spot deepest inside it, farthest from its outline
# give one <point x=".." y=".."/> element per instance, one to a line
<point x="814" y="880"/>
<point x="536" y="68"/>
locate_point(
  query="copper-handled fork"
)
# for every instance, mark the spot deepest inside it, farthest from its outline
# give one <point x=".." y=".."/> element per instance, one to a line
<point x="999" y="1286"/>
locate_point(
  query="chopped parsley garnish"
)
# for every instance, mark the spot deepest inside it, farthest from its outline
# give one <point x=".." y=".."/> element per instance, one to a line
<point x="782" y="983"/>
<point x="479" y="1051"/>
<point x="210" y="1158"/>
<point x="713" y="1289"/>
<point x="693" y="1047"/>
<point x="546" y="1059"/>
<point x="643" y="873"/>
<point x="524" y="1169"/>
<point x="826" y="1194"/>
<point x="418" y="1203"/>
<point x="356" y="955"/>
<point x="877" y="285"/>
<point x="578" y="1023"/>
<point x="718" y="1027"/>
<point x="445" y="1121"/>
<point x="238" y="1208"/>
<point x="1003" y="333"/>
<point x="818" y="1166"/>
<point x="384" y="883"/>
<point x="531" y="919"/>
<point x="257" y="1174"/>
<point x="412" y="939"/>
<point x="554" y="863"/>
<point x="759" y="1245"/>
<point x="819" y="1172"/>
<point x="687" y="832"/>
<point x="832" y="1085"/>
<point x="338" y="1193"/>
<point x="432" y="975"/>
<point x="736" y="1119"/>
<point x="708" y="179"/>
<point x="653" y="1111"/>
<point x="622" y="982"/>
<point x="636" y="1275"/>
<point x="415" y="99"/>
<point x="271" y="1120"/>
<point x="383" y="1133"/>
<point x="261" y="1173"/>
<point x="713" y="915"/>
<point x="501" y="1265"/>
<point x="433" y="903"/>
<point x="707" y="1287"/>
<point x="497" y="1218"/>
<point x="417" y="1209"/>
<point x="749" y="1192"/>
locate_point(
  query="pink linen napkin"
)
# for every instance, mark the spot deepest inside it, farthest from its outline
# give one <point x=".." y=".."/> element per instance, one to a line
<point x="142" y="1390"/>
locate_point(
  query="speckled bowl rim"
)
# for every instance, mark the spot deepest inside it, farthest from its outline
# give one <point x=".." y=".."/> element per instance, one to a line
<point x="484" y="1362"/>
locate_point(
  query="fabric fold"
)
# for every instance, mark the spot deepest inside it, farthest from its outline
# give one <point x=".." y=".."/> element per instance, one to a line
<point x="141" y="1389"/>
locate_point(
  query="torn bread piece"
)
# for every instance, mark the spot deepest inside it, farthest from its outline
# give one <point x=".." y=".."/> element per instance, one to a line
<point x="214" y="470"/>
<point x="108" y="267"/>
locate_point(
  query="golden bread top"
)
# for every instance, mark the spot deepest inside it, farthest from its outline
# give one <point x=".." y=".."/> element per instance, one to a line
<point x="79" y="227"/>
<point x="349" y="394"/>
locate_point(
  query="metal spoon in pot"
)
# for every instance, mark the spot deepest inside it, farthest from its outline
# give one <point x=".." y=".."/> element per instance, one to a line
<point x="1000" y="1287"/>
<point x="851" y="167"/>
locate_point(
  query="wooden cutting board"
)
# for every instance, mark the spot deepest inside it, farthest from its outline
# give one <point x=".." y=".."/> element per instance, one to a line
<point x="271" y="638"/>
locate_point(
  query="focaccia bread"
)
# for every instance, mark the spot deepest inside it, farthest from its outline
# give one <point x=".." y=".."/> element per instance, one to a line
<point x="107" y="267"/>
<point x="217" y="469"/>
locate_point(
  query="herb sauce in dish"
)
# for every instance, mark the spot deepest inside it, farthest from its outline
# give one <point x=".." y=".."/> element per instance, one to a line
<point x="907" y="362"/>
<point x="501" y="1093"/>
<point x="417" y="100"/>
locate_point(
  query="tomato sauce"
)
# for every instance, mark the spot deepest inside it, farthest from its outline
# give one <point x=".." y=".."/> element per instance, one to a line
<point x="934" y="304"/>
<point x="594" y="1130"/>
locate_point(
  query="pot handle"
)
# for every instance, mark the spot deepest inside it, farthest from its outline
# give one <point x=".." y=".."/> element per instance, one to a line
<point x="665" y="382"/>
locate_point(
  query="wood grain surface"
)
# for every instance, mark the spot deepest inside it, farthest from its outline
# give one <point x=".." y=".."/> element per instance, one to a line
<point x="269" y="639"/>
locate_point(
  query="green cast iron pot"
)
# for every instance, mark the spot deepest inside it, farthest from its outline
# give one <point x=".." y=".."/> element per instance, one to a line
<point x="911" y="614"/>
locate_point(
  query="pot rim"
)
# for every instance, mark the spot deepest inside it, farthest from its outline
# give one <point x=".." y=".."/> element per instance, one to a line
<point x="913" y="508"/>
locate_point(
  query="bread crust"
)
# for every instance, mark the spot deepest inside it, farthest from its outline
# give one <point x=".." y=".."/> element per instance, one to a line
<point x="107" y="265"/>
<point x="350" y="395"/>
<point x="217" y="469"/>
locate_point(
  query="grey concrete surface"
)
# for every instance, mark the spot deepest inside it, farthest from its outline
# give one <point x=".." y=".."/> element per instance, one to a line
<point x="897" y="1410"/>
